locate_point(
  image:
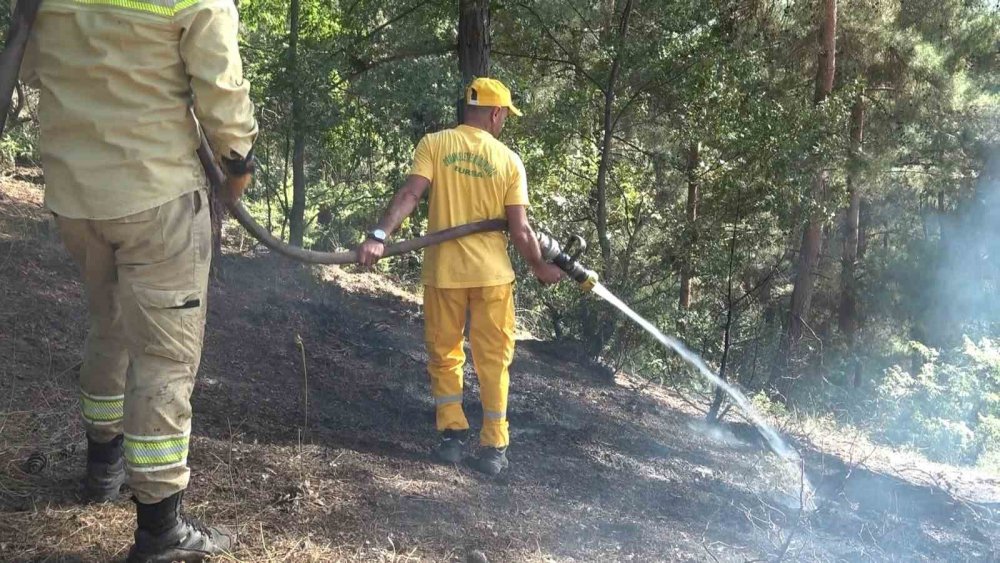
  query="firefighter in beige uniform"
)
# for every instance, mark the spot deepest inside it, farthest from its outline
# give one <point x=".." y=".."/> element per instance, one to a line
<point x="472" y="177"/>
<point x="117" y="80"/>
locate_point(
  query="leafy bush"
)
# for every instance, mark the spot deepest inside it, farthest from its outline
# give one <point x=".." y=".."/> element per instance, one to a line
<point x="18" y="143"/>
<point x="950" y="409"/>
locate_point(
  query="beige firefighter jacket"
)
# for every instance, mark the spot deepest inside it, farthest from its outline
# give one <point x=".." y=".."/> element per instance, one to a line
<point x="117" y="81"/>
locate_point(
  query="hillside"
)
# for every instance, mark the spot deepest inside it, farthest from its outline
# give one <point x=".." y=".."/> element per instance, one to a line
<point x="600" y="472"/>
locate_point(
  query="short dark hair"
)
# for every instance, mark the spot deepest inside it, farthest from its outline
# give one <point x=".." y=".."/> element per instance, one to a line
<point x="481" y="111"/>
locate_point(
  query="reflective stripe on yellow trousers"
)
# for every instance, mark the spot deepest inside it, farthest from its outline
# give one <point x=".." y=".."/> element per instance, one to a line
<point x="146" y="279"/>
<point x="491" y="334"/>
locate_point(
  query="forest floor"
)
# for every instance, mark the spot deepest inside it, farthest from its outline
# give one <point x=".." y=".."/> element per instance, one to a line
<point x="601" y="470"/>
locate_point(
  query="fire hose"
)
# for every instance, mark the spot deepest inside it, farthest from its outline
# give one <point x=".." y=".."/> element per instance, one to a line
<point x="22" y="20"/>
<point x="243" y="217"/>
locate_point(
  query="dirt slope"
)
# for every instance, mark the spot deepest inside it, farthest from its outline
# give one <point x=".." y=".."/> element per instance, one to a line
<point x="599" y="472"/>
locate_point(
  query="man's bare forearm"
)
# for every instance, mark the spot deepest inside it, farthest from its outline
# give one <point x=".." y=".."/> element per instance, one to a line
<point x="526" y="244"/>
<point x="403" y="203"/>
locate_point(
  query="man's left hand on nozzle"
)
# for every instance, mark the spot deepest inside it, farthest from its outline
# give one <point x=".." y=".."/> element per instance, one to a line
<point x="547" y="273"/>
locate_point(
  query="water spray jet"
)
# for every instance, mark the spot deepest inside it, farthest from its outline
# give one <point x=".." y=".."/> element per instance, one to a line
<point x="567" y="258"/>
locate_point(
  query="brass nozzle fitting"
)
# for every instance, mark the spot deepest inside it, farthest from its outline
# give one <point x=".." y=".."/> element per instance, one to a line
<point x="589" y="282"/>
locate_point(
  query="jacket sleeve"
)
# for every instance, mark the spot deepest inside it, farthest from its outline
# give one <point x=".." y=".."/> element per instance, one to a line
<point x="210" y="51"/>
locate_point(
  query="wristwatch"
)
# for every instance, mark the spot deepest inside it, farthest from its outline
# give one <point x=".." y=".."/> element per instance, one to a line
<point x="378" y="235"/>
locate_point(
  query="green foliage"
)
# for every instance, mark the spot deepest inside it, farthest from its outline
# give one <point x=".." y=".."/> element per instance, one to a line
<point x="950" y="408"/>
<point x="18" y="144"/>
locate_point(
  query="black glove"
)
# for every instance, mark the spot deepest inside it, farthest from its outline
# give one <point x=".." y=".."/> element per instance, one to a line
<point x="237" y="165"/>
<point x="239" y="171"/>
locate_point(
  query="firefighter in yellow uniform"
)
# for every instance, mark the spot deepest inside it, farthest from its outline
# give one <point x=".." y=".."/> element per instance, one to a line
<point x="472" y="176"/>
<point x="118" y="80"/>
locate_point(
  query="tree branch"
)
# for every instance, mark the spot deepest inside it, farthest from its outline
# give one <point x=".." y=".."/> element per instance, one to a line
<point x="362" y="67"/>
<point x="530" y="57"/>
<point x="576" y="65"/>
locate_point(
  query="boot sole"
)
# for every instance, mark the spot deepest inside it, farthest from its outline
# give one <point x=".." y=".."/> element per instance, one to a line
<point x="172" y="557"/>
<point x="191" y="546"/>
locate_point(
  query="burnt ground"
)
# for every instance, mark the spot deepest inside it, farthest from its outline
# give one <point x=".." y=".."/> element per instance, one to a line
<point x="331" y="462"/>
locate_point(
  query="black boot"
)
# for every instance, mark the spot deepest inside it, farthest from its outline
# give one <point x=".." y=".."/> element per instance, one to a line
<point x="451" y="446"/>
<point x="492" y="460"/>
<point x="105" y="470"/>
<point x="165" y="535"/>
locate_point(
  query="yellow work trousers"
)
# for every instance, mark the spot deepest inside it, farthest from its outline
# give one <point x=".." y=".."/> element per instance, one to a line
<point x="491" y="332"/>
<point x="146" y="280"/>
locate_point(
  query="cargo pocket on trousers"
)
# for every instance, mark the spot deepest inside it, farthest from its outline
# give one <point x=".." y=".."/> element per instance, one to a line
<point x="170" y="319"/>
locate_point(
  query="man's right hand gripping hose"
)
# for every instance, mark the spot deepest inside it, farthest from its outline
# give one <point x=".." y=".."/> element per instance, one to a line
<point x="239" y="173"/>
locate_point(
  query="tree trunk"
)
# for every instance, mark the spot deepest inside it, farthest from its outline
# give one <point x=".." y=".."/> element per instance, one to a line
<point x="607" y="138"/>
<point x="217" y="212"/>
<point x="802" y="290"/>
<point x="296" y="222"/>
<point x="864" y="218"/>
<point x="687" y="267"/>
<point x="713" y="410"/>
<point x="826" y="69"/>
<point x="665" y="190"/>
<point x="473" y="45"/>
<point x="847" y="318"/>
<point x="473" y="39"/>
<point x="605" y="325"/>
<point x="267" y="190"/>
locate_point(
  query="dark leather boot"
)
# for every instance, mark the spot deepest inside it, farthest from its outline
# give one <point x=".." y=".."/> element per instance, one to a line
<point x="492" y="461"/>
<point x="105" y="470"/>
<point x="165" y="535"/>
<point x="452" y="444"/>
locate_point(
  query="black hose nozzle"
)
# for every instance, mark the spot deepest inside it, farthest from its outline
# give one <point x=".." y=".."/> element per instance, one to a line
<point x="567" y="258"/>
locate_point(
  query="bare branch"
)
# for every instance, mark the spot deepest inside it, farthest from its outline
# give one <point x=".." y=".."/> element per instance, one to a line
<point x="576" y="64"/>
<point x="532" y="57"/>
<point x="404" y="54"/>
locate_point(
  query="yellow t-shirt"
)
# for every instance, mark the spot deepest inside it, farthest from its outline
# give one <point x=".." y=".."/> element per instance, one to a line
<point x="473" y="178"/>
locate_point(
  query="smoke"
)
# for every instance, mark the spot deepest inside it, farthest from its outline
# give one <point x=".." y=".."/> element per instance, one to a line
<point x="967" y="282"/>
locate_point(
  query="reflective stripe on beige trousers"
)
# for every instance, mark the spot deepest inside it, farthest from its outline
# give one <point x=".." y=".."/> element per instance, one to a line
<point x="146" y="280"/>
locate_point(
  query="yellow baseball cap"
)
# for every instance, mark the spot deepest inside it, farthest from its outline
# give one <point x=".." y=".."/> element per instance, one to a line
<point x="489" y="92"/>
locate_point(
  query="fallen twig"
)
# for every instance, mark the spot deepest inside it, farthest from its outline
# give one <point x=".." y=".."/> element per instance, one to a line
<point x="305" y="386"/>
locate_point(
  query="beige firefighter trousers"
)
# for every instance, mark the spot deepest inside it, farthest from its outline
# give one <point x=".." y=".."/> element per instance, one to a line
<point x="146" y="280"/>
